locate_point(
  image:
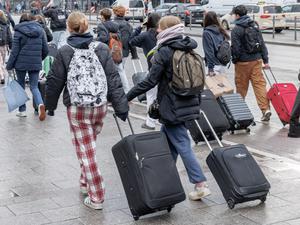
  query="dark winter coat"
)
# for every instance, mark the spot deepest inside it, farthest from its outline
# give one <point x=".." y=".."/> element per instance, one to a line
<point x="29" y="47"/>
<point x="57" y="77"/>
<point x="212" y="39"/>
<point x="104" y="29"/>
<point x="47" y="31"/>
<point x="54" y="13"/>
<point x="239" y="53"/>
<point x="145" y="40"/>
<point x="173" y="109"/>
<point x="8" y="16"/>
<point x="6" y="28"/>
<point x="125" y="30"/>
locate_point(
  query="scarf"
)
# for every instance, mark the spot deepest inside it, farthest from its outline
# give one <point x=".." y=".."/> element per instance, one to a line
<point x="169" y="33"/>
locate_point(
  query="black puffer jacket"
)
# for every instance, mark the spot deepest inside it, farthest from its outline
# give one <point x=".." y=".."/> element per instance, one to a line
<point x="239" y="53"/>
<point x="173" y="109"/>
<point x="5" y="28"/>
<point x="58" y="18"/>
<point x="125" y="30"/>
<point x="57" y="77"/>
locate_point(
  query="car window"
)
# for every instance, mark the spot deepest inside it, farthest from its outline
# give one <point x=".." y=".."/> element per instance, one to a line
<point x="173" y="9"/>
<point x="249" y="8"/>
<point x="136" y="4"/>
<point x="181" y="8"/>
<point x="287" y="9"/>
<point x="255" y="9"/>
<point x="296" y="8"/>
<point x="272" y="9"/>
<point x="166" y="6"/>
<point x="195" y="7"/>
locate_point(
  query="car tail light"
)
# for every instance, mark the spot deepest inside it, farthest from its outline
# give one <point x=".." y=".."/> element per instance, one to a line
<point x="265" y="16"/>
<point x="187" y="12"/>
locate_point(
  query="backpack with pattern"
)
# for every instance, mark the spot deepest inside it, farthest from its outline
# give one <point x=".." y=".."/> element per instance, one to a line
<point x="115" y="45"/>
<point x="86" y="82"/>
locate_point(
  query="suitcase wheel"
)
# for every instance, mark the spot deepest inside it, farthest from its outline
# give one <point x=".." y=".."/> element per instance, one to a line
<point x="136" y="218"/>
<point x="248" y="130"/>
<point x="232" y="132"/>
<point x="230" y="203"/>
<point x="170" y="209"/>
<point x="284" y="123"/>
<point x="263" y="199"/>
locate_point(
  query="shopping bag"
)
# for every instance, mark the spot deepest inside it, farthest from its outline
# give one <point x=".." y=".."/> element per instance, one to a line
<point x="219" y="84"/>
<point x="14" y="94"/>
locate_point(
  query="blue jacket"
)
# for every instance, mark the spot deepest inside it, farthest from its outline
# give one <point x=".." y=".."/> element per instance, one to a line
<point x="212" y="38"/>
<point x="29" y="47"/>
<point x="239" y="53"/>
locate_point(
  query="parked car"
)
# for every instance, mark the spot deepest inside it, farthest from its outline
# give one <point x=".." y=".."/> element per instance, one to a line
<point x="135" y="9"/>
<point x="177" y="9"/>
<point x="263" y="14"/>
<point x="291" y="11"/>
<point x="162" y="9"/>
<point x="194" y="12"/>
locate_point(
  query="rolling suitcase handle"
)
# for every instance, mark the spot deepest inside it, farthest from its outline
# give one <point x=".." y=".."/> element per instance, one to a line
<point x="266" y="75"/>
<point x="140" y="64"/>
<point x="119" y="127"/>
<point x="212" y="130"/>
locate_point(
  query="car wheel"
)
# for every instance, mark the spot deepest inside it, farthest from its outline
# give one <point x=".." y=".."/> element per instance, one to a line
<point x="141" y="20"/>
<point x="202" y="25"/>
<point x="225" y="25"/>
<point x="278" y="30"/>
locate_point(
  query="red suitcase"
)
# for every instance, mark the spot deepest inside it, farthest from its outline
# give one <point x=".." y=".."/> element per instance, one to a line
<point x="282" y="97"/>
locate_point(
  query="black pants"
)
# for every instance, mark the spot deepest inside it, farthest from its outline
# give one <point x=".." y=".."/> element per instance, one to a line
<point x="296" y="109"/>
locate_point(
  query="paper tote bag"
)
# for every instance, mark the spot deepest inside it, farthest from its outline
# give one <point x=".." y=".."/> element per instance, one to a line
<point x="14" y="95"/>
<point x="219" y="84"/>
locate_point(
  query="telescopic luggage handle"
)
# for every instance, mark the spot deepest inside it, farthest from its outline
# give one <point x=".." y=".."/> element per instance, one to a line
<point x="266" y="75"/>
<point x="119" y="127"/>
<point x="212" y="130"/>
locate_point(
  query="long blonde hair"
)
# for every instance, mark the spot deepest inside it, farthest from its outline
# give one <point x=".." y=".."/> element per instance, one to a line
<point x="77" y="22"/>
<point x="3" y="16"/>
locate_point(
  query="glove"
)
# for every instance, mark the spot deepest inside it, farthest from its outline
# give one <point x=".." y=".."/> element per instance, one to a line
<point x="50" y="113"/>
<point x="122" y="116"/>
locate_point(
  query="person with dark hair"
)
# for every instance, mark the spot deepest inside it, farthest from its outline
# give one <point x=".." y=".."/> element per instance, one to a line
<point x="214" y="34"/>
<point x="58" y="23"/>
<point x="147" y="41"/>
<point x="29" y="48"/>
<point x="249" y="52"/>
<point x="41" y="20"/>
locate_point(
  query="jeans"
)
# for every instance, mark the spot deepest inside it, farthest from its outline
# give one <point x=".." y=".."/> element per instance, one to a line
<point x="179" y="143"/>
<point x="59" y="38"/>
<point x="33" y="81"/>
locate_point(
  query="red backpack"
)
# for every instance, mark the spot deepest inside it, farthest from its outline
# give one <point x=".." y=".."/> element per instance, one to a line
<point x="115" y="45"/>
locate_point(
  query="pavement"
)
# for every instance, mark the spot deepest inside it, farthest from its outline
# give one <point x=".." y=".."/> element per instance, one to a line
<point x="39" y="171"/>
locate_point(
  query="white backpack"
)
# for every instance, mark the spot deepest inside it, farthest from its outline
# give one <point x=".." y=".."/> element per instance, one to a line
<point x="86" y="82"/>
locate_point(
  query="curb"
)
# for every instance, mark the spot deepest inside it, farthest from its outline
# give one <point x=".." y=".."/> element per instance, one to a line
<point x="266" y="41"/>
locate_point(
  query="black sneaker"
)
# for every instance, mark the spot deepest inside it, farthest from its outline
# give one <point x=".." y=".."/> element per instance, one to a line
<point x="2" y="81"/>
<point x="294" y="131"/>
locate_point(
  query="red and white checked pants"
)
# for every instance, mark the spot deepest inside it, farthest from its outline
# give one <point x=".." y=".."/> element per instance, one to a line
<point x="85" y="124"/>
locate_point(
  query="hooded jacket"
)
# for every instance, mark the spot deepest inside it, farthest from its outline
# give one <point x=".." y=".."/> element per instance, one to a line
<point x="57" y="77"/>
<point x="5" y="28"/>
<point x="145" y="40"/>
<point x="239" y="53"/>
<point x="104" y="29"/>
<point x="9" y="17"/>
<point x="212" y="39"/>
<point x="29" y="47"/>
<point x="173" y="109"/>
<point x="54" y="13"/>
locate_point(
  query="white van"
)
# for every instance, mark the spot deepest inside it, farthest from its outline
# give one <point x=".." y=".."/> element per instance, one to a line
<point x="135" y="9"/>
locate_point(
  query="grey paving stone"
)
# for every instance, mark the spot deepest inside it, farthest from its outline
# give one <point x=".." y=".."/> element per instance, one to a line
<point x="230" y="220"/>
<point x="68" y="213"/>
<point x="31" y="207"/>
<point x="109" y="218"/>
<point x="67" y="222"/>
<point x="293" y="222"/>
<point x="5" y="212"/>
<point x="29" y="219"/>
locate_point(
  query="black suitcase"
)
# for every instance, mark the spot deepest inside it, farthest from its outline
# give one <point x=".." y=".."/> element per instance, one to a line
<point x="148" y="172"/>
<point x="236" y="111"/>
<point x="139" y="77"/>
<point x="236" y="172"/>
<point x="214" y="113"/>
<point x="52" y="49"/>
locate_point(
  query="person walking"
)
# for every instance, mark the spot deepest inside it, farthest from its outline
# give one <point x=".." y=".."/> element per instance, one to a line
<point x="57" y="23"/>
<point x="294" y="130"/>
<point x="249" y="52"/>
<point x="5" y="44"/>
<point x="29" y="48"/>
<point x="41" y="20"/>
<point x="71" y="71"/>
<point x="213" y="36"/>
<point x="174" y="110"/>
<point x="147" y="41"/>
<point x="10" y="20"/>
<point x="125" y="30"/>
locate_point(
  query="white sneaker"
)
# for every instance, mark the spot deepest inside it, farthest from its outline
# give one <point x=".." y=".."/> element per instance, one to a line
<point x="199" y="192"/>
<point x="266" y="116"/>
<point x="88" y="202"/>
<point x="83" y="190"/>
<point x="21" y="114"/>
